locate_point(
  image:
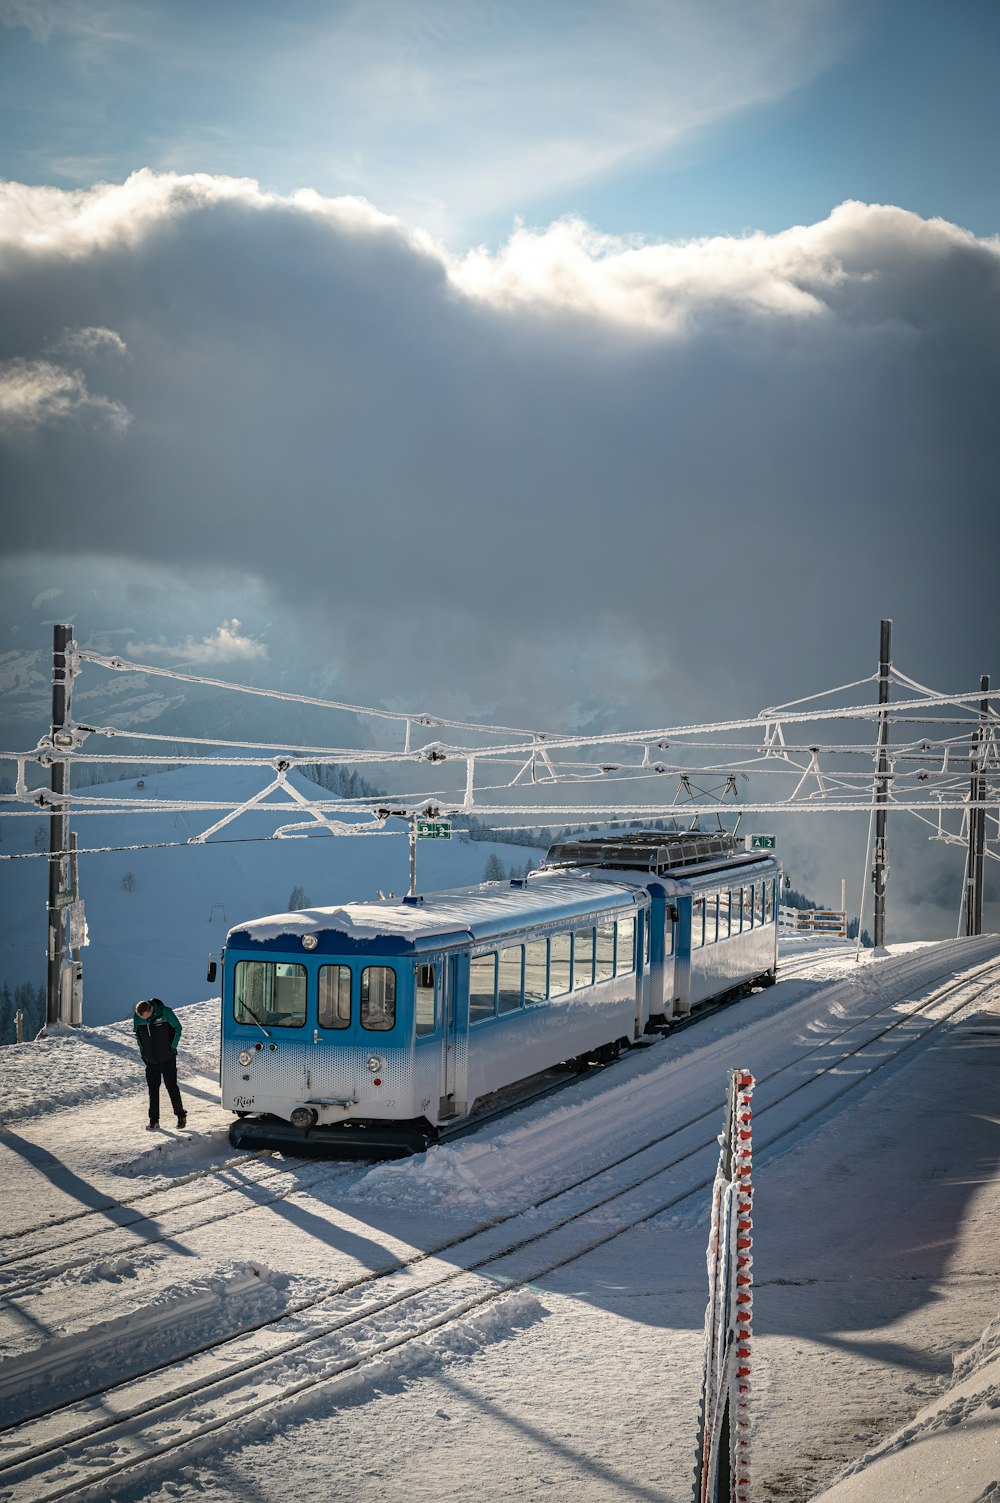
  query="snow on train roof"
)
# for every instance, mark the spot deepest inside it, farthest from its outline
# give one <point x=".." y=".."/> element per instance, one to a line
<point x="477" y="911"/>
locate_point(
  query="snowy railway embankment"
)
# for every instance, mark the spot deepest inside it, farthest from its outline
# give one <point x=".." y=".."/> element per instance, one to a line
<point x="178" y="1318"/>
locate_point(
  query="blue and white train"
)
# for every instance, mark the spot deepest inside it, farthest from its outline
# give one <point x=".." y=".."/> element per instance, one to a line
<point x="368" y="1029"/>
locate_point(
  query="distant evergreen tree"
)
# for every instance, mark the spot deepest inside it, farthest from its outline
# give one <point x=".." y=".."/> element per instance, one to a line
<point x="341" y="781"/>
<point x="470" y="827"/>
<point x="852" y="933"/>
<point x="41" y="837"/>
<point x="493" y="871"/>
<point x="129" y="884"/>
<point x="793" y="899"/>
<point x="30" y="999"/>
<point x="297" y="899"/>
<point x="118" y="772"/>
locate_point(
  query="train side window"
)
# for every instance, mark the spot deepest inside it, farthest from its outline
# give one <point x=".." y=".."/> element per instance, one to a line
<point x="625" y="952"/>
<point x="605" y="967"/>
<point x="559" y="964"/>
<point x="271" y="993"/>
<point x="769" y="902"/>
<point x="334" y="996"/>
<point x="645" y="941"/>
<point x="748" y="907"/>
<point x="583" y="958"/>
<point x="378" y="998"/>
<point x="723" y="915"/>
<point x="712" y="919"/>
<point x="697" y="923"/>
<point x="536" y="971"/>
<point x="759" y="904"/>
<point x="424" y="1000"/>
<point x="482" y="987"/>
<point x="509" y="979"/>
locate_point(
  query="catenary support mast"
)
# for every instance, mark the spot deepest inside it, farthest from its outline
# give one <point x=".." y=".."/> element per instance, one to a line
<point x="880" y="872"/>
<point x="977" y="819"/>
<point x="57" y="1000"/>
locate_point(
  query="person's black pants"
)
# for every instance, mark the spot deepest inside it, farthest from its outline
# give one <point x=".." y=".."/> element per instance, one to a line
<point x="167" y="1072"/>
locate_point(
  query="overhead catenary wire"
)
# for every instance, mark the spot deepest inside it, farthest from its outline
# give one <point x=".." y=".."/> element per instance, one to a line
<point x="835" y="790"/>
<point x="122" y="665"/>
<point x="166" y="845"/>
<point x="575" y="814"/>
<point x="775" y="710"/>
<point x="540" y="738"/>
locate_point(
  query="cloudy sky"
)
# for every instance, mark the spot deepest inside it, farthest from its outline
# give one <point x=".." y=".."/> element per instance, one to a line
<point x="623" y="360"/>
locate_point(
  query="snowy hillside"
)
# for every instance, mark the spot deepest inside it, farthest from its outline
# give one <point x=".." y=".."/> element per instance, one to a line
<point x="155" y="914"/>
<point x="518" y="1314"/>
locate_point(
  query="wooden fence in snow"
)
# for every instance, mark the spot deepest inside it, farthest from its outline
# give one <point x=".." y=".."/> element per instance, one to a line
<point x="812" y="921"/>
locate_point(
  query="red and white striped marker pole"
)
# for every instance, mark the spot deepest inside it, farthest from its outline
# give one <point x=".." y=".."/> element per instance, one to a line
<point x="723" y="1471"/>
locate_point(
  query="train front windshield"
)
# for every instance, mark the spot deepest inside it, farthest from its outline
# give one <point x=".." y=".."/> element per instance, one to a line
<point x="277" y="994"/>
<point x="270" y="993"/>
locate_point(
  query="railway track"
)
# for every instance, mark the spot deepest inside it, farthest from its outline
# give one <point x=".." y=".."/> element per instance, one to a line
<point x="797" y="967"/>
<point x="375" y="1317"/>
<point x="115" y="1204"/>
<point x="258" y="1185"/>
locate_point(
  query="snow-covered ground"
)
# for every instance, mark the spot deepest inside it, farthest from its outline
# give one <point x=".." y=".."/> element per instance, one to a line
<point x="518" y="1314"/>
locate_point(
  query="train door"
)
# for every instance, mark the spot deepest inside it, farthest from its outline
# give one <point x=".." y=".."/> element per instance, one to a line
<point x="658" y="999"/>
<point x="356" y="1039"/>
<point x="682" y="954"/>
<point x="670" y="937"/>
<point x="452" y="1040"/>
<point x="333" y="1066"/>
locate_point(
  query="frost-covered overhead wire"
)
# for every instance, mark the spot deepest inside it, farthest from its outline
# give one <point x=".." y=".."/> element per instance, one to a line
<point x="926" y="775"/>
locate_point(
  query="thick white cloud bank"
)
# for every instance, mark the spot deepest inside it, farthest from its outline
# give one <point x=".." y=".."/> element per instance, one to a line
<point x="651" y="472"/>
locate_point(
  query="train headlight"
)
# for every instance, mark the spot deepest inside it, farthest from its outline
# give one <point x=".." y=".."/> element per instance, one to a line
<point x="374" y="1063"/>
<point x="309" y="941"/>
<point x="244" y="1056"/>
<point x="304" y="1117"/>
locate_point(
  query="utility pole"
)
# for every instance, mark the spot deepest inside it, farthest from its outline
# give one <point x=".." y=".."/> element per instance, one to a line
<point x="977" y="818"/>
<point x="880" y="873"/>
<point x="56" y="1007"/>
<point x="413" y="855"/>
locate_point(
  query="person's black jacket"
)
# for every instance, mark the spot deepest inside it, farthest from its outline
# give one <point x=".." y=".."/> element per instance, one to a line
<point x="157" y="1035"/>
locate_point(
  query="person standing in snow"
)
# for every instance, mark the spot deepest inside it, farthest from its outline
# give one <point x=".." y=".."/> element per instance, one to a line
<point x="158" y="1032"/>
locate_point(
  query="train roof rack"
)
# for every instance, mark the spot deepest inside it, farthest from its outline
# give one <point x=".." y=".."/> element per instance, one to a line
<point x="645" y="850"/>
